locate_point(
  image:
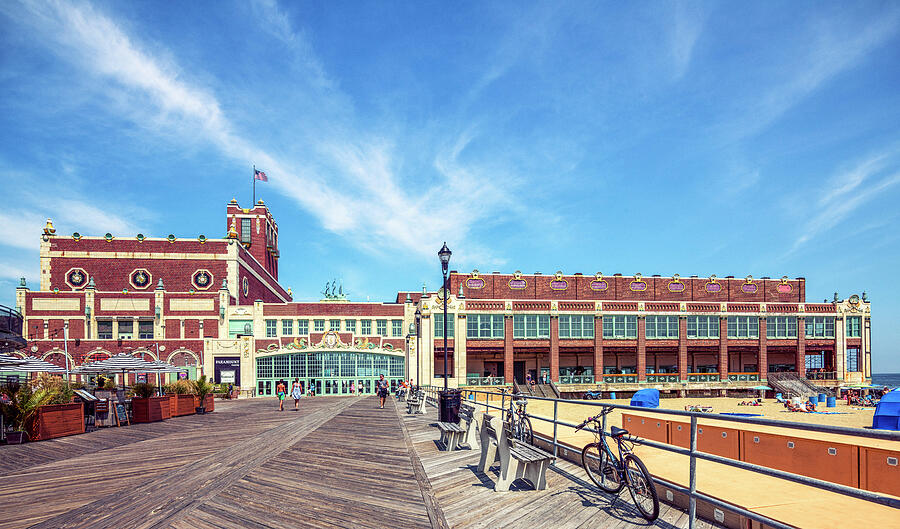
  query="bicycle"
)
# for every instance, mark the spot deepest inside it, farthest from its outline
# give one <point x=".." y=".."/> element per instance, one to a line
<point x="518" y="421"/>
<point x="611" y="473"/>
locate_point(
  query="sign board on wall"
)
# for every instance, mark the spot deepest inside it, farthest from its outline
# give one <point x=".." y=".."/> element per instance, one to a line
<point x="227" y="370"/>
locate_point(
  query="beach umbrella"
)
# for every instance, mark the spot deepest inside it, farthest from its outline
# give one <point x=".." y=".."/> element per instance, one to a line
<point x="761" y="389"/>
<point x="121" y="362"/>
<point x="164" y="367"/>
<point x="33" y="365"/>
<point x="7" y="360"/>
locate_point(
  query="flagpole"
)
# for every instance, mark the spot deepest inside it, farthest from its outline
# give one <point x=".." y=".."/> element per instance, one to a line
<point x="253" y="204"/>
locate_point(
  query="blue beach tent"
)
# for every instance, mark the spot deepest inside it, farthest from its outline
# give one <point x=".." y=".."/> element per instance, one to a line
<point x="646" y="398"/>
<point x="887" y="412"/>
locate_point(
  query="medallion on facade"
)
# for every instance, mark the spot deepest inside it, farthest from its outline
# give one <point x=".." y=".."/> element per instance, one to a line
<point x="475" y="282"/>
<point x="599" y="284"/>
<point x="76" y="278"/>
<point x="749" y="287"/>
<point x="202" y="279"/>
<point x="638" y="284"/>
<point x="712" y="286"/>
<point x="558" y="282"/>
<point x="675" y="285"/>
<point x="140" y="278"/>
<point x="517" y="283"/>
<point x="245" y="286"/>
<point x="784" y="287"/>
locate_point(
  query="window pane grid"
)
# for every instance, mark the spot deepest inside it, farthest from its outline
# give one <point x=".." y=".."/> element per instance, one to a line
<point x="302" y="327"/>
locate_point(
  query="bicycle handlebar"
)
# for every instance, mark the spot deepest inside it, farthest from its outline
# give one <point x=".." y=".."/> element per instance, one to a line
<point x="596" y="418"/>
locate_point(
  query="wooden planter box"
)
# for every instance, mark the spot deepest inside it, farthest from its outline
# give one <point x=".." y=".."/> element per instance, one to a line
<point x="150" y="409"/>
<point x="181" y="405"/>
<point x="167" y="407"/>
<point x="209" y="401"/>
<point x="56" y="420"/>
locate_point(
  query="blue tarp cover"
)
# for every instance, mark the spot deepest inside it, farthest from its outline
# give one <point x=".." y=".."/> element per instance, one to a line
<point x="887" y="413"/>
<point x="646" y="398"/>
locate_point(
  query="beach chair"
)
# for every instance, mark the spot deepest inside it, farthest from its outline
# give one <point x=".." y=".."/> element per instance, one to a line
<point x="779" y="398"/>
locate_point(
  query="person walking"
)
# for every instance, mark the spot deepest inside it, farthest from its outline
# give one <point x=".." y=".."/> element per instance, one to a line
<point x="296" y="393"/>
<point x="381" y="387"/>
<point x="353" y="388"/>
<point x="280" y="392"/>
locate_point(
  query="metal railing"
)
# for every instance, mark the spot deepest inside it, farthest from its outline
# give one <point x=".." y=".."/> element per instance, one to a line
<point x="485" y="381"/>
<point x="694" y="454"/>
<point x="821" y="375"/>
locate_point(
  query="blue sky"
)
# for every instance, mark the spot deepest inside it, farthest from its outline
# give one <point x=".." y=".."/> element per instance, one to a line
<point x="692" y="138"/>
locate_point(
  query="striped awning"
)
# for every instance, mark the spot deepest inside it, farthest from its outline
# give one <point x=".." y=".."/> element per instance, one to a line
<point x="7" y="360"/>
<point x="119" y="363"/>
<point x="163" y="367"/>
<point x="34" y="365"/>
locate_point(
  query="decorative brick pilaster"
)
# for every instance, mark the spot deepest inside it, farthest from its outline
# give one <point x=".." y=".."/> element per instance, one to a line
<point x="598" y="349"/>
<point x="723" y="349"/>
<point x="554" y="348"/>
<point x="508" y="350"/>
<point x="682" y="348"/>
<point x="763" y="357"/>
<point x="641" y="349"/>
<point x="800" y="362"/>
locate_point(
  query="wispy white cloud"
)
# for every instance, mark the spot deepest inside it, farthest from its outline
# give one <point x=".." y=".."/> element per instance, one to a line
<point x="833" y="47"/>
<point x="849" y="190"/>
<point x="350" y="182"/>
<point x="688" y="25"/>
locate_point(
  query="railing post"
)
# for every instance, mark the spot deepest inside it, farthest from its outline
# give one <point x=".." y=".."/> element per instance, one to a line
<point x="555" y="416"/>
<point x="693" y="475"/>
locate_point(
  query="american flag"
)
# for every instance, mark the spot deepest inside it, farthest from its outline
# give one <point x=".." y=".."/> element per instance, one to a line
<point x="259" y="175"/>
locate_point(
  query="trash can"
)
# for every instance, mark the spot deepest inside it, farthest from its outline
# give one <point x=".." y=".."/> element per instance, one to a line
<point x="448" y="405"/>
<point x="612" y="395"/>
<point x="813" y="400"/>
<point x="831" y="402"/>
<point x="823" y="397"/>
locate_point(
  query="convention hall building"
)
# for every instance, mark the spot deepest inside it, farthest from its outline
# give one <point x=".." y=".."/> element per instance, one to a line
<point x="215" y="306"/>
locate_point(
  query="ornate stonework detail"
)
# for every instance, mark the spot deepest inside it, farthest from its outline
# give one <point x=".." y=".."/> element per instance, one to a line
<point x="245" y="286"/>
<point x="140" y="278"/>
<point x="202" y="279"/>
<point x="77" y="278"/>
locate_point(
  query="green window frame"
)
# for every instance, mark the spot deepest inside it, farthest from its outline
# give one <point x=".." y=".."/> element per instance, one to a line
<point x="366" y="327"/>
<point x="396" y="328"/>
<point x="531" y="326"/>
<point x="703" y="327"/>
<point x="661" y="327"/>
<point x="781" y="327"/>
<point x="381" y="327"/>
<point x="620" y="327"/>
<point x="350" y="326"/>
<point x="287" y="327"/>
<point x="484" y="326"/>
<point x="820" y="327"/>
<point x="271" y="328"/>
<point x="743" y="327"/>
<point x="302" y="327"/>
<point x="334" y="325"/>
<point x="854" y="326"/>
<point x="576" y="326"/>
<point x="439" y="325"/>
<point x="319" y="325"/>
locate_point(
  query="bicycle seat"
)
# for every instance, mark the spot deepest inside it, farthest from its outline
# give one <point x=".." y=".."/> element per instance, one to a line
<point x="617" y="432"/>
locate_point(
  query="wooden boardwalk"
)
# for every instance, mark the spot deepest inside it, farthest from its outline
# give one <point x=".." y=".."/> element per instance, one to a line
<point x="339" y="462"/>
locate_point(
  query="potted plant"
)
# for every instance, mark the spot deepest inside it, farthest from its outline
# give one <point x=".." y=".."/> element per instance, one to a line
<point x="202" y="388"/>
<point x="146" y="406"/>
<point x="20" y="407"/>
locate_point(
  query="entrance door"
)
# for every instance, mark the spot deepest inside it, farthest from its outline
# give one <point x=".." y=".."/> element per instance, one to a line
<point x="519" y="371"/>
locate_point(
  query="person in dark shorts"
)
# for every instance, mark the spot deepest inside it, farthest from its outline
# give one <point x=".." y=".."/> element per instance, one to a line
<point x="381" y="387"/>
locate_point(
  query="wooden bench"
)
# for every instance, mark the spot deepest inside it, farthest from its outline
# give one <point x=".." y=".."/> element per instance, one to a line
<point x="416" y="403"/>
<point x="451" y="435"/>
<point x="467" y="417"/>
<point x="517" y="460"/>
<point x="401" y="394"/>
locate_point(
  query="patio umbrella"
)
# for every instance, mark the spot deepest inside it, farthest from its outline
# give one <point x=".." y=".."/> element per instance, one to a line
<point x="7" y="360"/>
<point x="33" y="365"/>
<point x="163" y="367"/>
<point x="761" y="389"/>
<point x="121" y="362"/>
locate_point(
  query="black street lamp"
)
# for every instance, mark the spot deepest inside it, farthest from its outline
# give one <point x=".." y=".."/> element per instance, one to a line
<point x="418" y="362"/>
<point x="444" y="254"/>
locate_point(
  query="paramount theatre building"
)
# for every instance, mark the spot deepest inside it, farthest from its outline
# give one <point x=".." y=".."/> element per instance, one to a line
<point x="216" y="306"/>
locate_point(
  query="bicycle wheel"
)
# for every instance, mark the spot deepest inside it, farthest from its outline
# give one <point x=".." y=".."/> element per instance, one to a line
<point x="526" y="434"/>
<point x="600" y="468"/>
<point x="643" y="490"/>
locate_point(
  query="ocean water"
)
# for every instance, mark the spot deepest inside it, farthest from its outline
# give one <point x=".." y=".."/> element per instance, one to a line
<point x="891" y="380"/>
